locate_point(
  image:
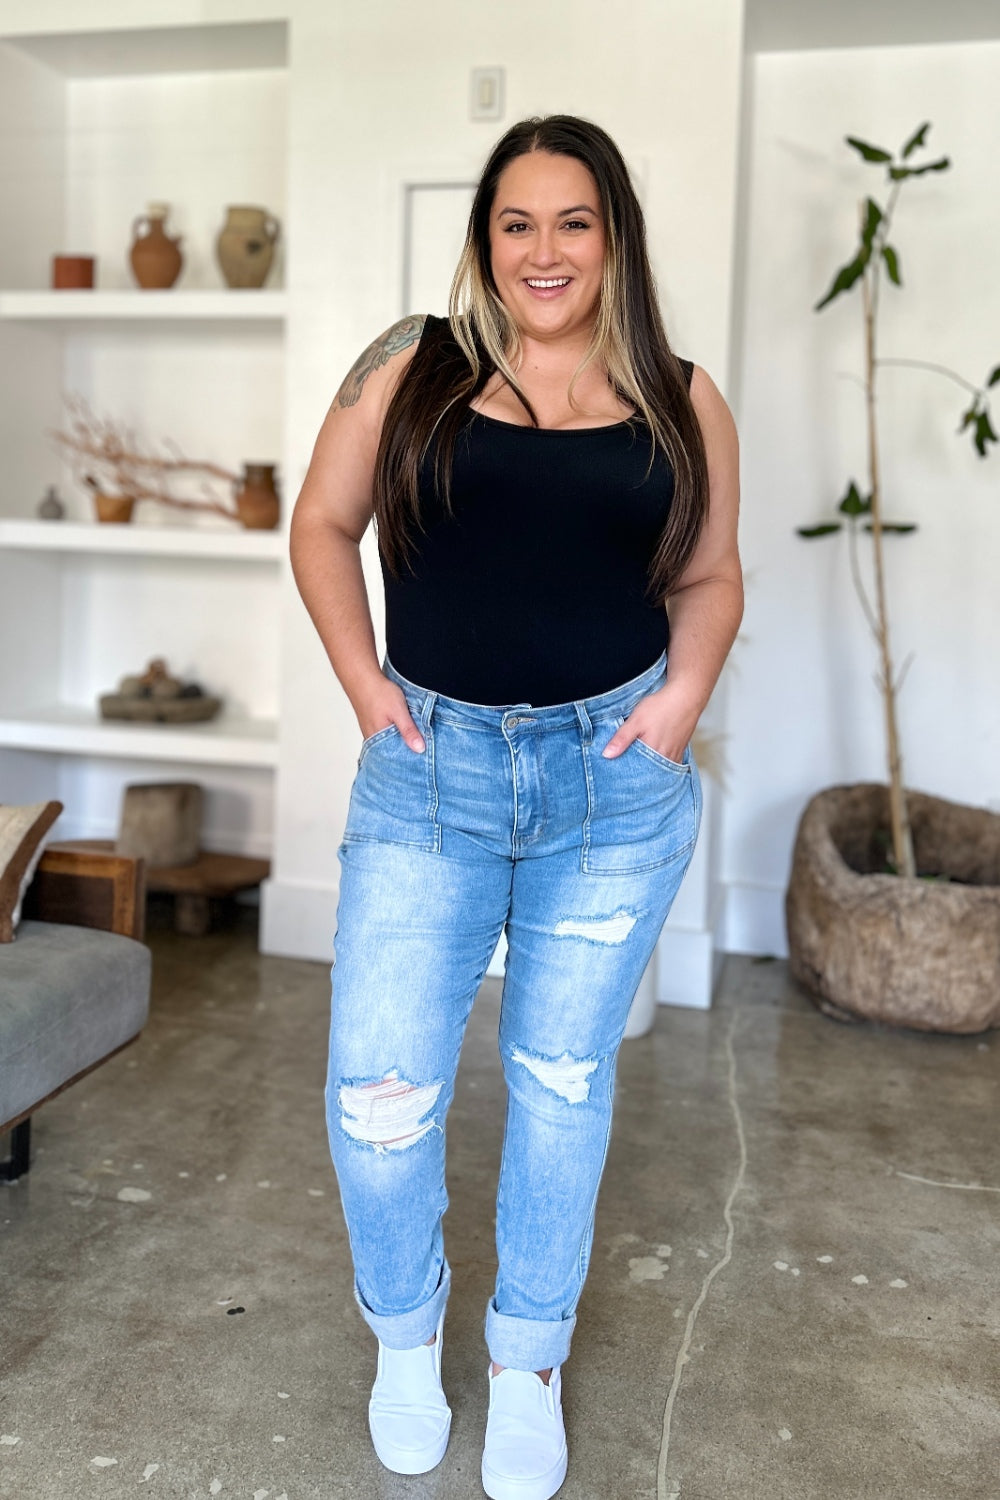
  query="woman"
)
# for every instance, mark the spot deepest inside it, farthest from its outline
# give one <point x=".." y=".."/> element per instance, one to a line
<point x="542" y="482"/>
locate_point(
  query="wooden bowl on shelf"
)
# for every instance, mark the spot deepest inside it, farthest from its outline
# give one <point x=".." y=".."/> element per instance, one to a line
<point x="116" y="508"/>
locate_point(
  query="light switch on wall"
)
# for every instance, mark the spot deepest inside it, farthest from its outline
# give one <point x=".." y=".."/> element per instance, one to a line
<point x="486" y="100"/>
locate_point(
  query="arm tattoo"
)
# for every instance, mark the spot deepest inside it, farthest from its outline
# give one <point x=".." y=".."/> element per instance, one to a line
<point x="397" y="338"/>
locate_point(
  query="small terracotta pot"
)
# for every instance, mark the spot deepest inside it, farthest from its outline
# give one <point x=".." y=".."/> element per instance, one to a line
<point x="72" y="273"/>
<point x="257" y="501"/>
<point x="113" y="507"/>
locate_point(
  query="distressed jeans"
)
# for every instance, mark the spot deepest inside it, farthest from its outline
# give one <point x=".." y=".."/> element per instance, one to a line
<point x="509" y="821"/>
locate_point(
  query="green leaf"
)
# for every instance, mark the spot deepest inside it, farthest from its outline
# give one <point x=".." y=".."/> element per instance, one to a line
<point x="968" y="417"/>
<point x="870" y="153"/>
<point x="826" y="529"/>
<point x="916" y="139"/>
<point x="994" y="377"/>
<point x="984" y="433"/>
<point x="873" y="219"/>
<point x="852" y="503"/>
<point x="898" y="173"/>
<point x="892" y="264"/>
<point x="845" y="278"/>
<point x="901" y="527"/>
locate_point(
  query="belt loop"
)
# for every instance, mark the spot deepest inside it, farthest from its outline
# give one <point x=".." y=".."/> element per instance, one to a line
<point x="586" y="727"/>
<point x="427" y="709"/>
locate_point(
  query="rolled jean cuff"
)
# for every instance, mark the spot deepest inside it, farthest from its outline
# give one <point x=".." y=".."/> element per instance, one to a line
<point x="410" y="1329"/>
<point x="527" y="1343"/>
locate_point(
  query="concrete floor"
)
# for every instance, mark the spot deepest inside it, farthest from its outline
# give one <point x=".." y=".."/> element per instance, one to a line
<point x="793" y="1296"/>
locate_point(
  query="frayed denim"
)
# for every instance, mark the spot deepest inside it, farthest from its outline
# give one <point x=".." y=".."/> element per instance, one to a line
<point x="509" y="821"/>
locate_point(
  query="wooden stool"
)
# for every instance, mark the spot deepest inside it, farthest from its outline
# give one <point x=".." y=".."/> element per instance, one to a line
<point x="195" y="886"/>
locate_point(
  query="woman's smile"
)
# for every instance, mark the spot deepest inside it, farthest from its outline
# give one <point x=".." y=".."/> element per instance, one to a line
<point x="547" y="288"/>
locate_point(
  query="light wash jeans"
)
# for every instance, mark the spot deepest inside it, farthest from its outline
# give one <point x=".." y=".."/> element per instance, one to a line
<point x="512" y="820"/>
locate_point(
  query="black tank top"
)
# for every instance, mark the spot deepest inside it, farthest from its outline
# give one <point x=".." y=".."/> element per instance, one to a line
<point x="534" y="590"/>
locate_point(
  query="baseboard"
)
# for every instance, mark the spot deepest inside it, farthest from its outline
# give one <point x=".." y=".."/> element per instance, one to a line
<point x="297" y="921"/>
<point x="755" y="919"/>
<point x="687" y="966"/>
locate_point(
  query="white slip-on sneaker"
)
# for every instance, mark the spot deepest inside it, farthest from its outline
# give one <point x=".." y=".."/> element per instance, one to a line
<point x="525" y="1455"/>
<point x="408" y="1415"/>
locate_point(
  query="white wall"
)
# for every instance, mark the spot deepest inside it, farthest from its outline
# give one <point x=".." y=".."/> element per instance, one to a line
<point x="803" y="711"/>
<point x="379" y="96"/>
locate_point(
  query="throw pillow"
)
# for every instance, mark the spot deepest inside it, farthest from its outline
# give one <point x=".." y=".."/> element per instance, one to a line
<point x="22" y="830"/>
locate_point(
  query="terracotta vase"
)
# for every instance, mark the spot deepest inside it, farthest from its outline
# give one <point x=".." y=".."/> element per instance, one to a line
<point x="257" y="501"/>
<point x="155" y="257"/>
<point x="245" y="245"/>
<point x="113" y="507"/>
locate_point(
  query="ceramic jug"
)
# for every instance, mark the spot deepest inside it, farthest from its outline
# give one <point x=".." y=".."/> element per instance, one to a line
<point x="50" y="507"/>
<point x="155" y="257"/>
<point x="257" y="502"/>
<point x="245" y="245"/>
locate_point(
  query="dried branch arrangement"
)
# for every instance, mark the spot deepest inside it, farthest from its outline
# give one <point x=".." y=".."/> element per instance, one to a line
<point x="107" y="457"/>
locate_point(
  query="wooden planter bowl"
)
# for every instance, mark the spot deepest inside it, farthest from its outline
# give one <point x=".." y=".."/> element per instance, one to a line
<point x="115" y="508"/>
<point x="159" y="710"/>
<point x="921" y="953"/>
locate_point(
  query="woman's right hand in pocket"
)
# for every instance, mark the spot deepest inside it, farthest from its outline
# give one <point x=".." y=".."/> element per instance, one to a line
<point x="386" y="706"/>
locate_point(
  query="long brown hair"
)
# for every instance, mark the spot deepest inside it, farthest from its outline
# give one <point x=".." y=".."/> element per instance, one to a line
<point x="480" y="339"/>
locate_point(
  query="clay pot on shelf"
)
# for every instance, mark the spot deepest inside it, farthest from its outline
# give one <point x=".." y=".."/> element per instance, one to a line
<point x="114" y="508"/>
<point x="156" y="697"/>
<point x="72" y="273"/>
<point x="257" y="503"/>
<point x="155" y="256"/>
<point x="245" y="245"/>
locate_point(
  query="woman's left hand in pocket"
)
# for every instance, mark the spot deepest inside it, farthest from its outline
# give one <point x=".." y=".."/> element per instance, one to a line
<point x="660" y="721"/>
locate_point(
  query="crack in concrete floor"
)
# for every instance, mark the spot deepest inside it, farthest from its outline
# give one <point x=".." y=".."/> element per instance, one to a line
<point x="683" y="1353"/>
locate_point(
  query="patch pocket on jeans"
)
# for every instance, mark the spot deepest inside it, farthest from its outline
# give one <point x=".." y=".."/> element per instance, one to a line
<point x="393" y="799"/>
<point x="644" y="810"/>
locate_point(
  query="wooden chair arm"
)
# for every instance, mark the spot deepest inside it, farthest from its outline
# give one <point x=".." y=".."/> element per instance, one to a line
<point x="89" y="888"/>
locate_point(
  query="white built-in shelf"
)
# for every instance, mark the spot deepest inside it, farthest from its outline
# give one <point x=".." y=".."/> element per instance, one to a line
<point x="246" y="306"/>
<point x="68" y="730"/>
<point x="99" y="48"/>
<point x="231" y="545"/>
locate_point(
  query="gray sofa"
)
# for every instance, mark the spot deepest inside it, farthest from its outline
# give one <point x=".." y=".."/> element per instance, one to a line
<point x="74" y="985"/>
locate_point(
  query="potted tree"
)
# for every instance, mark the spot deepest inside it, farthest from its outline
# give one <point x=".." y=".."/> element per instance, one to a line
<point x="893" y="907"/>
